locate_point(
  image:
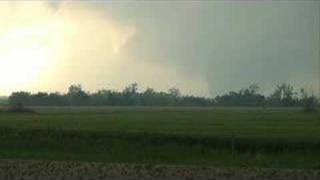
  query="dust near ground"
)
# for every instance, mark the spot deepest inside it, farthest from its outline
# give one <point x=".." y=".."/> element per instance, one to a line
<point x="47" y="170"/>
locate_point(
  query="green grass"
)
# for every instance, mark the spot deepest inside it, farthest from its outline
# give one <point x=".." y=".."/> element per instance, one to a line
<point x="282" y="138"/>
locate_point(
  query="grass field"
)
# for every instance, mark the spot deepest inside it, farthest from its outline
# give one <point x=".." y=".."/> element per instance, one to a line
<point x="224" y="137"/>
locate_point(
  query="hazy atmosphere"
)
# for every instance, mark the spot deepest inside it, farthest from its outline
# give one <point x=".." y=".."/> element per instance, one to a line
<point x="202" y="48"/>
<point x="160" y="89"/>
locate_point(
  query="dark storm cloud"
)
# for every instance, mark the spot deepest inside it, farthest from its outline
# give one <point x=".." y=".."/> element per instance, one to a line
<point x="201" y="47"/>
<point x="231" y="44"/>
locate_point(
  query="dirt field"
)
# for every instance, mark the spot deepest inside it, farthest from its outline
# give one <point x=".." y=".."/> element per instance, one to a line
<point x="45" y="170"/>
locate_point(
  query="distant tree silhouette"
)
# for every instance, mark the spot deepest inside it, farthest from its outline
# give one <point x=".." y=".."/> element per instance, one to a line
<point x="20" y="99"/>
<point x="245" y="97"/>
<point x="18" y="102"/>
<point x="174" y="96"/>
<point x="77" y="96"/>
<point x="131" y="95"/>
<point x="283" y="95"/>
<point x="309" y="102"/>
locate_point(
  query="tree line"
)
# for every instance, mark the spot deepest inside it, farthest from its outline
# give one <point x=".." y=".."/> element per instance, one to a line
<point x="284" y="95"/>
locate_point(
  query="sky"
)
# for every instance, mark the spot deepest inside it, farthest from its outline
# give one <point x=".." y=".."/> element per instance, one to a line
<point x="204" y="48"/>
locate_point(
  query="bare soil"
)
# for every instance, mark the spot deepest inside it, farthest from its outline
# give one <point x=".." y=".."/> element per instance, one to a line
<point x="58" y="170"/>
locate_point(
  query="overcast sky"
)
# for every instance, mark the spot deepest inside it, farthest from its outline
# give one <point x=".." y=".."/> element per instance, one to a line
<point x="202" y="47"/>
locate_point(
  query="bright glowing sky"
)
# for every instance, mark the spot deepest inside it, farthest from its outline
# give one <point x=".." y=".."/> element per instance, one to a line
<point x="203" y="48"/>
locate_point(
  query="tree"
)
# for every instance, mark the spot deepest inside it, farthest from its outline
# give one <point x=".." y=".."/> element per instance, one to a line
<point x="102" y="97"/>
<point x="57" y="99"/>
<point x="18" y="101"/>
<point x="77" y="96"/>
<point x="283" y="95"/>
<point x="174" y="96"/>
<point x="131" y="94"/>
<point x="131" y="89"/>
<point x="309" y="102"/>
<point x="148" y="97"/>
<point x="245" y="97"/>
<point x="174" y="92"/>
<point x="41" y="98"/>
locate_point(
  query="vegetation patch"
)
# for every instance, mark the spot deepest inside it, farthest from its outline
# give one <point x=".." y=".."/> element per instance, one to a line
<point x="221" y="137"/>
